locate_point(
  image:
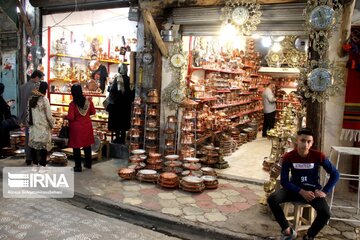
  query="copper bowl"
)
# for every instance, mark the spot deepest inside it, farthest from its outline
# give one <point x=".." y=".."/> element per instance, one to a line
<point x="135" y="132"/>
<point x="188" y="127"/>
<point x="134" y="146"/>
<point x="169" y="131"/>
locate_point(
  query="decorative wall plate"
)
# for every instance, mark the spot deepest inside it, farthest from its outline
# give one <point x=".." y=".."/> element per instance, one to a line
<point x="322" y="17"/>
<point x="177" y="60"/>
<point x="274" y="59"/>
<point x="177" y="95"/>
<point x="319" y="79"/>
<point x="244" y="14"/>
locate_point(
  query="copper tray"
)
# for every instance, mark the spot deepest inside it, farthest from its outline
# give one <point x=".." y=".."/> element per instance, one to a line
<point x="210" y="182"/>
<point x="126" y="173"/>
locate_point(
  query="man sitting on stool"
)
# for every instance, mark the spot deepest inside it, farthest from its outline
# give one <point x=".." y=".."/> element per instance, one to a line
<point x="304" y="185"/>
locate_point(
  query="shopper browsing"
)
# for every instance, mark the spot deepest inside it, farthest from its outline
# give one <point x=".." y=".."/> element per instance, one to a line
<point x="40" y="123"/>
<point x="269" y="103"/>
<point x="4" y="114"/>
<point x="25" y="93"/>
<point x="80" y="127"/>
<point x="304" y="186"/>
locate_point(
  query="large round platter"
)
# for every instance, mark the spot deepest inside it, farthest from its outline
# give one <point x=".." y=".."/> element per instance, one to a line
<point x="147" y="171"/>
<point x="172" y="157"/>
<point x="191" y="159"/>
<point x="138" y="151"/>
<point x="58" y="154"/>
<point x="192" y="179"/>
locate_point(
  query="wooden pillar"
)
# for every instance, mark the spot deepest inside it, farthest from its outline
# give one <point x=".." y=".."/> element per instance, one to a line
<point x="315" y="113"/>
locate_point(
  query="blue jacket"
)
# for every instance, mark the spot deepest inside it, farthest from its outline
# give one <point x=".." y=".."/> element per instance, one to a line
<point x="305" y="171"/>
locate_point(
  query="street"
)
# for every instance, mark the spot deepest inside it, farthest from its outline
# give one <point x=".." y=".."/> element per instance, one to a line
<point x="51" y="219"/>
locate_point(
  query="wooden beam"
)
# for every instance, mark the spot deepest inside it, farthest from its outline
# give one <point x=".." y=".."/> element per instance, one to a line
<point x="150" y="24"/>
<point x="345" y="28"/>
<point x="24" y="18"/>
<point x="156" y="4"/>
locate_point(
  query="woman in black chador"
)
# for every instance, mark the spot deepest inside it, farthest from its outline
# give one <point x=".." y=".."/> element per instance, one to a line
<point x="119" y="108"/>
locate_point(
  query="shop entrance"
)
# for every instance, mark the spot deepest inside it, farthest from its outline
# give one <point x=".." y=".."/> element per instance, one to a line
<point x="227" y="77"/>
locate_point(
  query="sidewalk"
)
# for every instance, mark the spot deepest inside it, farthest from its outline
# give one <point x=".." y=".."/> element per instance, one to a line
<point x="230" y="212"/>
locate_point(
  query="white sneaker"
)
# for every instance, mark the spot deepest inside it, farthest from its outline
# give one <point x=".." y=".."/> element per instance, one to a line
<point x="292" y="235"/>
<point x="35" y="168"/>
<point x="43" y="169"/>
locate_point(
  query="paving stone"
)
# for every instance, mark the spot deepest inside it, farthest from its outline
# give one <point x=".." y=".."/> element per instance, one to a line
<point x="151" y="205"/>
<point x="185" y="200"/>
<point x="130" y="194"/>
<point x="191" y="217"/>
<point x="221" y="201"/>
<point x="230" y="192"/>
<point x="350" y="235"/>
<point x="168" y="203"/>
<point x="216" y="195"/>
<point x="146" y="186"/>
<point x="330" y="230"/>
<point x="223" y="181"/>
<point x="201" y="196"/>
<point x="341" y="226"/>
<point x="172" y="211"/>
<point x="236" y="199"/>
<point x="215" y="217"/>
<point x="225" y="186"/>
<point x="182" y="194"/>
<point x="242" y="206"/>
<point x="201" y="219"/>
<point x="225" y="209"/>
<point x="192" y="211"/>
<point x="206" y="205"/>
<point x="131" y="188"/>
<point x="169" y="195"/>
<point x="132" y="201"/>
<point x="150" y="191"/>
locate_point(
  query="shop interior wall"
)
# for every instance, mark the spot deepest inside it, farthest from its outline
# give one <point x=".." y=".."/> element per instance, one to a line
<point x="109" y="23"/>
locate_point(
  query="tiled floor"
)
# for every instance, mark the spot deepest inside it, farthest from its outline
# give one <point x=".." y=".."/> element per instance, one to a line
<point x="247" y="161"/>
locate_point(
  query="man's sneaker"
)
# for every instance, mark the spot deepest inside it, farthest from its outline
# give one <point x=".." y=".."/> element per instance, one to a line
<point x="307" y="238"/>
<point x="292" y="235"/>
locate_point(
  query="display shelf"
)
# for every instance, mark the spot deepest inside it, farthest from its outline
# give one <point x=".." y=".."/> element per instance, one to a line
<point x="85" y="94"/>
<point x="200" y="140"/>
<point x="87" y="58"/>
<point x="231" y="105"/>
<point x="289" y="86"/>
<point x="204" y="99"/>
<point x="287" y="101"/>
<point x="67" y="105"/>
<point x="223" y="71"/>
<point x="99" y="120"/>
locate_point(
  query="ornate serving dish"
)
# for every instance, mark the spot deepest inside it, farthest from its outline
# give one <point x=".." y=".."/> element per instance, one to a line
<point x="127" y="173"/>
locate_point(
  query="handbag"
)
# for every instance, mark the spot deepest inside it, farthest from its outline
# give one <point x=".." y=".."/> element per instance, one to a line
<point x="10" y="124"/>
<point x="64" y="131"/>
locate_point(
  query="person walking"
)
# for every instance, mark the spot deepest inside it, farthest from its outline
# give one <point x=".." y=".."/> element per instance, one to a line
<point x="119" y="107"/>
<point x="80" y="127"/>
<point x="269" y="103"/>
<point x="4" y="114"/>
<point x="40" y="122"/>
<point x="25" y="93"/>
<point x="304" y="164"/>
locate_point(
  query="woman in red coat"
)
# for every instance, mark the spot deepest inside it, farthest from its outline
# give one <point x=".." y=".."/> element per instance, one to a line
<point x="80" y="127"/>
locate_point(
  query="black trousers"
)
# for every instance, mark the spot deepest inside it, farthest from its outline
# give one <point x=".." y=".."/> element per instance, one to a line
<point x="77" y="157"/>
<point x="269" y="122"/>
<point x="319" y="204"/>
<point x="34" y="156"/>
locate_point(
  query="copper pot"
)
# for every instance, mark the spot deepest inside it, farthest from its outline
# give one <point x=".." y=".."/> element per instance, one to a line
<point x="135" y="132"/>
<point x="151" y="135"/>
<point x="153" y="100"/>
<point x="188" y="138"/>
<point x="137" y="111"/>
<point x="136" y="121"/>
<point x="151" y="149"/>
<point x="188" y="126"/>
<point x="152" y="93"/>
<point x="171" y="119"/>
<point x="152" y="123"/>
<point x="137" y="101"/>
<point x="134" y="146"/>
<point x="169" y="142"/>
<point x="189" y="114"/>
<point x="169" y="131"/>
<point x="152" y="112"/>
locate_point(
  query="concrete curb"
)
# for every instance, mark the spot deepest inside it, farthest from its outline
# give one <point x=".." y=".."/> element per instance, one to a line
<point x="156" y="221"/>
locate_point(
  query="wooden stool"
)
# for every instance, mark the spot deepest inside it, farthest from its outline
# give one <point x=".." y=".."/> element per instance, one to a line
<point x="300" y="219"/>
<point x="107" y="145"/>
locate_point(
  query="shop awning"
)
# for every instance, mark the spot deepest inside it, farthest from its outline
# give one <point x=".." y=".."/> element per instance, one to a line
<point x="56" y="6"/>
<point x="276" y="19"/>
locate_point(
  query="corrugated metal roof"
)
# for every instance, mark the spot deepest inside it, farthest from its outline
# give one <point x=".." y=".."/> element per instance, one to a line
<point x="277" y="19"/>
